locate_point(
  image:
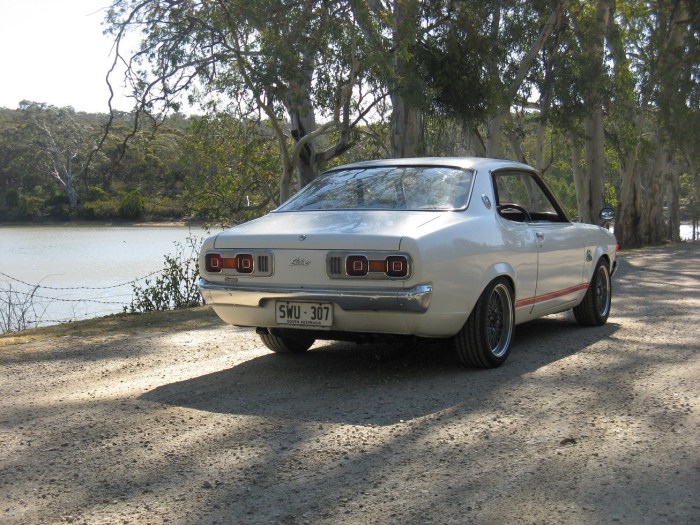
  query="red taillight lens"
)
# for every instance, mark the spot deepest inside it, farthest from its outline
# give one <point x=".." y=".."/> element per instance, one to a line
<point x="356" y="265"/>
<point x="242" y="263"/>
<point x="396" y="266"/>
<point x="245" y="263"/>
<point x="213" y="262"/>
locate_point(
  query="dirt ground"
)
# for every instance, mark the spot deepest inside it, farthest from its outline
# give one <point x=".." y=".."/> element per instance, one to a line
<point x="177" y="418"/>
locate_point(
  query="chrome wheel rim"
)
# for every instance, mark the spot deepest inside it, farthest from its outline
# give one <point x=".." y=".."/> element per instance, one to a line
<point x="602" y="291"/>
<point x="499" y="320"/>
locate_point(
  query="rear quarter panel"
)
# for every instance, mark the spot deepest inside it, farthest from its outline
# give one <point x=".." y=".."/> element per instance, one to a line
<point x="459" y="255"/>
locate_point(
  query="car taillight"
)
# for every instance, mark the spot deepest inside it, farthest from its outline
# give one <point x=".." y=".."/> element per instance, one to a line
<point x="213" y="262"/>
<point x="245" y="263"/>
<point x="393" y="266"/>
<point x="242" y="263"/>
<point x="356" y="265"/>
<point x="397" y="266"/>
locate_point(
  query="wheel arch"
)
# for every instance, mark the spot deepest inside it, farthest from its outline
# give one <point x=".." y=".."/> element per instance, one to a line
<point x="497" y="271"/>
<point x="601" y="253"/>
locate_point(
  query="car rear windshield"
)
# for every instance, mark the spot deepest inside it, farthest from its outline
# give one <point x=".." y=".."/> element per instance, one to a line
<point x="386" y="187"/>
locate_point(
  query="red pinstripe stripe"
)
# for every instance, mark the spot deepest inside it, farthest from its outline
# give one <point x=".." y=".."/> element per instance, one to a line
<point x="546" y="297"/>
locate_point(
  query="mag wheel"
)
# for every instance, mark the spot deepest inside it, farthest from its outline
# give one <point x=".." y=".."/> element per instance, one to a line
<point x="594" y="309"/>
<point x="484" y="340"/>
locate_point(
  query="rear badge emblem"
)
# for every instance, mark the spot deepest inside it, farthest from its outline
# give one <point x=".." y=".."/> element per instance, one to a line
<point x="299" y="261"/>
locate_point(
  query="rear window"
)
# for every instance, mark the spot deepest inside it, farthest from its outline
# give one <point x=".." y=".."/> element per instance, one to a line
<point x="386" y="187"/>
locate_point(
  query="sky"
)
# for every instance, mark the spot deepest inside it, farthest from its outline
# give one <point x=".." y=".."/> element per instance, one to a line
<point x="53" y="51"/>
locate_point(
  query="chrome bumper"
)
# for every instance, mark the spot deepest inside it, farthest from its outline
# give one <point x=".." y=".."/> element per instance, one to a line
<point x="414" y="300"/>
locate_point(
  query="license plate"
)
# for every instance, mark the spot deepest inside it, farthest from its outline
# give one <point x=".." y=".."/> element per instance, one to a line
<point x="304" y="314"/>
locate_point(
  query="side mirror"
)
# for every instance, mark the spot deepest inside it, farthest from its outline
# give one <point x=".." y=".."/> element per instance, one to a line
<point x="606" y="215"/>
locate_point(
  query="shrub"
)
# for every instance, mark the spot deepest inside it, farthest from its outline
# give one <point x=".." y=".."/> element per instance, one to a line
<point x="176" y="285"/>
<point x="95" y="193"/>
<point x="18" y="310"/>
<point x="100" y="210"/>
<point x="131" y="206"/>
<point x="12" y="198"/>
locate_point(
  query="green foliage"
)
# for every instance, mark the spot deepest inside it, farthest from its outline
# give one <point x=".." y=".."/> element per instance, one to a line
<point x="100" y="210"/>
<point x="611" y="195"/>
<point x="233" y="169"/>
<point x="95" y="193"/>
<point x="451" y="61"/>
<point x="151" y="163"/>
<point x="12" y="199"/>
<point x="175" y="287"/>
<point x="131" y="206"/>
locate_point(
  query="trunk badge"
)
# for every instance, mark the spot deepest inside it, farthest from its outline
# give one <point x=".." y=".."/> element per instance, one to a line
<point x="300" y="261"/>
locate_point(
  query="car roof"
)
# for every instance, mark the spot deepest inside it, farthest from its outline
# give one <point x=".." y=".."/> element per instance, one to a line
<point x="474" y="163"/>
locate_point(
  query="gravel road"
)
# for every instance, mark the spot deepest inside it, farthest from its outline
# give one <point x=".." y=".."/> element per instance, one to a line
<point x="177" y="418"/>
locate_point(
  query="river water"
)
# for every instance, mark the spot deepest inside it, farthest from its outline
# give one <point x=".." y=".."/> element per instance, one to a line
<point x="79" y="272"/>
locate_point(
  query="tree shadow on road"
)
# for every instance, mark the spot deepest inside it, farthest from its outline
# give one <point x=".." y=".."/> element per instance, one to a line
<point x="373" y="384"/>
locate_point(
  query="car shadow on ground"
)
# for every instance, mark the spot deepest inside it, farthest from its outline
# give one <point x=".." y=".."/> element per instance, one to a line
<point x="374" y="384"/>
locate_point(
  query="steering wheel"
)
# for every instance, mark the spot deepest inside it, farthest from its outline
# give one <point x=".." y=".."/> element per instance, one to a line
<point x="522" y="210"/>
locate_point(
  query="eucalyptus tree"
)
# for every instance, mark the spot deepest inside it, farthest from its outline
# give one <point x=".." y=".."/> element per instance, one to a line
<point x="678" y="100"/>
<point x="232" y="169"/>
<point x="524" y="29"/>
<point x="392" y="30"/>
<point x="430" y="56"/>
<point x="60" y="145"/>
<point x="268" y="60"/>
<point x="591" y="24"/>
<point x="654" y="131"/>
<point x="476" y="60"/>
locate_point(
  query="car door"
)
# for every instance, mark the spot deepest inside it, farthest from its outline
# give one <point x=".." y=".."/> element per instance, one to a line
<point x="559" y="266"/>
<point x="524" y="198"/>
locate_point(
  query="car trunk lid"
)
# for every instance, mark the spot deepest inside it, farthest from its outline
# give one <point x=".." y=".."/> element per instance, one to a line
<point x="326" y="230"/>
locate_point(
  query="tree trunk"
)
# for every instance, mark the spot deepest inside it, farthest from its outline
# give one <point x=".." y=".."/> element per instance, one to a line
<point x="630" y="208"/>
<point x="590" y="206"/>
<point x="592" y="202"/>
<point x="539" y="152"/>
<point x="674" y="220"/>
<point x="473" y="144"/>
<point x="302" y="121"/>
<point x="579" y="174"/>
<point x="494" y="132"/>
<point x="407" y="138"/>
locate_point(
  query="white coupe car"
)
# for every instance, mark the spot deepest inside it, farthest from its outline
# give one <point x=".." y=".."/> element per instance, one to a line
<point x="457" y="248"/>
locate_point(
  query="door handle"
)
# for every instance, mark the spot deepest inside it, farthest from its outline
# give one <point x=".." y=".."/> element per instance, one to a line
<point x="540" y="236"/>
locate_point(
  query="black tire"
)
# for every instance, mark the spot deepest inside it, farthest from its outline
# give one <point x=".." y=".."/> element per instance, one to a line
<point x="594" y="309"/>
<point x="287" y="343"/>
<point x="484" y="340"/>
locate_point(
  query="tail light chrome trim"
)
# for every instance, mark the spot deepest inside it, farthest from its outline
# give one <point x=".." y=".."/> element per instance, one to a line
<point x="369" y="265"/>
<point x="254" y="263"/>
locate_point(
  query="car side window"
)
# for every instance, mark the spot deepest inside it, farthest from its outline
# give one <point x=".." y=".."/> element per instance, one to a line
<point x="520" y="197"/>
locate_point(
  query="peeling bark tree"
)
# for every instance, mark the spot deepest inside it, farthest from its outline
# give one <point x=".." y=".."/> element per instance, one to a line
<point x="62" y="147"/>
<point x="592" y="196"/>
